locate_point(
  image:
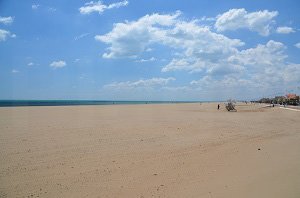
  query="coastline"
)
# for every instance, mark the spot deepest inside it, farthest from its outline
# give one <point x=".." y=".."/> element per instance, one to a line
<point x="19" y="103"/>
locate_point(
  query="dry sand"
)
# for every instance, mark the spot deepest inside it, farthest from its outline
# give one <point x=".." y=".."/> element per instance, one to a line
<point x="162" y="150"/>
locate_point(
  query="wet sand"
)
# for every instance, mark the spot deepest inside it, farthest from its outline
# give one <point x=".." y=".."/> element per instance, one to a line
<point x="161" y="150"/>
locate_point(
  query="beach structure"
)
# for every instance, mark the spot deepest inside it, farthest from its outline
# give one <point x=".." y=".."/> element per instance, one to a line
<point x="279" y="100"/>
<point x="230" y="105"/>
<point x="292" y="99"/>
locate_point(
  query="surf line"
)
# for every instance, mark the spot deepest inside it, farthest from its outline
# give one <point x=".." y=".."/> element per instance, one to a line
<point x="290" y="109"/>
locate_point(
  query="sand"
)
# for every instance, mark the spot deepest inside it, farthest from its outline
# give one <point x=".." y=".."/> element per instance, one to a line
<point x="161" y="150"/>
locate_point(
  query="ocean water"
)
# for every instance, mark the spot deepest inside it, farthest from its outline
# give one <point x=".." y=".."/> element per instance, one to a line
<point x="16" y="103"/>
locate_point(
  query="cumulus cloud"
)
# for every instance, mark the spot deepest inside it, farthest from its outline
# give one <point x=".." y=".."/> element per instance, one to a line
<point x="178" y="88"/>
<point x="6" y="20"/>
<point x="262" y="55"/>
<point x="297" y="45"/>
<point x="146" y="60"/>
<point x="265" y="64"/>
<point x="285" y="30"/>
<point x="144" y="83"/>
<point x="4" y="34"/>
<point x="226" y="82"/>
<point x="264" y="67"/>
<point x="209" y="19"/>
<point x="184" y="64"/>
<point x="291" y="73"/>
<point x="203" y="50"/>
<point x="35" y="6"/>
<point x="51" y="9"/>
<point x="217" y="58"/>
<point x="81" y="36"/>
<point x="260" y="21"/>
<point x="58" y="64"/>
<point x="130" y="39"/>
<point x="100" y="7"/>
<point x="14" y="71"/>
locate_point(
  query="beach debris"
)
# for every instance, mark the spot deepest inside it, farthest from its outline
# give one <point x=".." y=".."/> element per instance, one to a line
<point x="230" y="105"/>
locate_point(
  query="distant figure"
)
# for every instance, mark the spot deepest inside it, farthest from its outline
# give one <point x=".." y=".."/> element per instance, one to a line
<point x="218" y="106"/>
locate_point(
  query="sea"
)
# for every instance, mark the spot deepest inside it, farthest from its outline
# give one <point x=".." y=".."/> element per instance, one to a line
<point x="17" y="103"/>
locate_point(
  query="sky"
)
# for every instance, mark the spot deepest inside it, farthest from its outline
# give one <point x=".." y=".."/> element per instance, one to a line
<point x="149" y="50"/>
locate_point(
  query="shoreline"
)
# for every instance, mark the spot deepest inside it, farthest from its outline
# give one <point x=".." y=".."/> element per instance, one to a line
<point x="32" y="103"/>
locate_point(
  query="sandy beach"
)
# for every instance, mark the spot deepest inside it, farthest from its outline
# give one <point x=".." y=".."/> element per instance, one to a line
<point x="154" y="150"/>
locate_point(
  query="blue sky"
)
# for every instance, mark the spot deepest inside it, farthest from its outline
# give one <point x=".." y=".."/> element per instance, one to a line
<point x="149" y="50"/>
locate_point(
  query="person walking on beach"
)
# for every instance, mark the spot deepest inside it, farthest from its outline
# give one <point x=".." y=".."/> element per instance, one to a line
<point x="218" y="106"/>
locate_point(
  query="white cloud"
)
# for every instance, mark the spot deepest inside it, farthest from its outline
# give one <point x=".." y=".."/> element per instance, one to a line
<point x="30" y="64"/>
<point x="35" y="6"/>
<point x="203" y="50"/>
<point x="260" y="21"/>
<point x="218" y="59"/>
<point x="51" y="9"/>
<point x="200" y="49"/>
<point x="81" y="36"/>
<point x="100" y="7"/>
<point x="146" y="60"/>
<point x="58" y="64"/>
<point x="209" y="19"/>
<point x="263" y="68"/>
<point x="130" y="39"/>
<point x="226" y="82"/>
<point x="264" y="62"/>
<point x="82" y="76"/>
<point x="260" y="56"/>
<point x="14" y="71"/>
<point x="4" y="34"/>
<point x="178" y="89"/>
<point x="185" y="64"/>
<point x="297" y="45"/>
<point x="144" y="83"/>
<point x="285" y="30"/>
<point x="6" y="20"/>
<point x="149" y="50"/>
<point x="118" y="4"/>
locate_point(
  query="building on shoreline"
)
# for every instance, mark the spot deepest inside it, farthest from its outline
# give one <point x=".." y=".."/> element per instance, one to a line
<point x="289" y="99"/>
<point x="292" y="99"/>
